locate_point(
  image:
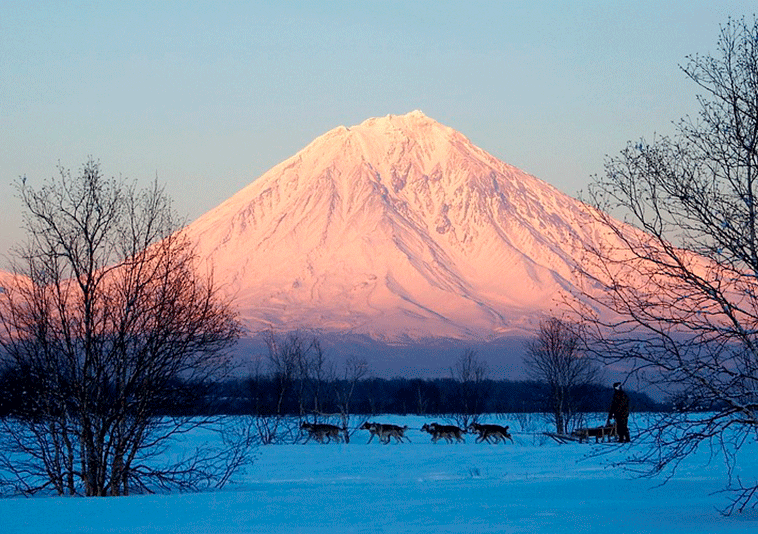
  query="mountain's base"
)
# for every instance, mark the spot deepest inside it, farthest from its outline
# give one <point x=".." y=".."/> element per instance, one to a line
<point x="432" y="358"/>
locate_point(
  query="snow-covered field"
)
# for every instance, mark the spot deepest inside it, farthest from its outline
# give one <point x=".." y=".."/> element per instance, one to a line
<point x="531" y="486"/>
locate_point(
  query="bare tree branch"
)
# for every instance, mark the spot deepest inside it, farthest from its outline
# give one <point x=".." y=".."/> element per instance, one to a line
<point x="111" y="326"/>
<point x="679" y="302"/>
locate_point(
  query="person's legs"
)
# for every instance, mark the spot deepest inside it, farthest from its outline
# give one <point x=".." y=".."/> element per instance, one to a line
<point x="622" y="424"/>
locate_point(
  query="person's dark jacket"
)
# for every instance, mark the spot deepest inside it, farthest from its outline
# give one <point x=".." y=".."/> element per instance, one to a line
<point x="619" y="405"/>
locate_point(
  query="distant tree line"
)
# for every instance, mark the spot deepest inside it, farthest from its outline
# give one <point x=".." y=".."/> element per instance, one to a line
<point x="296" y="378"/>
<point x="417" y="396"/>
<point x="262" y="396"/>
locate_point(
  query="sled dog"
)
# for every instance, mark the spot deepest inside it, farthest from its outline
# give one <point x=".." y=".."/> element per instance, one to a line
<point x="446" y="432"/>
<point x="385" y="432"/>
<point x="321" y="432"/>
<point x="496" y="432"/>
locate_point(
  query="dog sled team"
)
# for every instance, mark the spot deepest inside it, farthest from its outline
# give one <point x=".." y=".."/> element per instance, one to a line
<point x="385" y="432"/>
<point x="618" y="413"/>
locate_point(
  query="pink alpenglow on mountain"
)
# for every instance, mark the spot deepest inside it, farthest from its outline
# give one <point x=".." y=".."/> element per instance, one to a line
<point x="400" y="229"/>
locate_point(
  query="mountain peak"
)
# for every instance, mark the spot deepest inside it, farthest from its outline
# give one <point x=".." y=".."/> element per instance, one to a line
<point x="391" y="142"/>
<point x="398" y="227"/>
<point x="415" y="120"/>
<point x="414" y="117"/>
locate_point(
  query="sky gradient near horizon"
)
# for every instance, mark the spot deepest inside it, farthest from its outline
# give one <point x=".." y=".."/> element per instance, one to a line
<point x="207" y="96"/>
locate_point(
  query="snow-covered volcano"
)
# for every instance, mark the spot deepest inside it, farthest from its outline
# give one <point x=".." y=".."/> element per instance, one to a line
<point x="398" y="228"/>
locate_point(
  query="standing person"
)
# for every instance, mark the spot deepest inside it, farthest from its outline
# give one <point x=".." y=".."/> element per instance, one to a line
<point x="620" y="412"/>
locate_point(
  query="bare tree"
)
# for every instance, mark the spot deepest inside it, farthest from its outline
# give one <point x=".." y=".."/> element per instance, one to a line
<point x="679" y="305"/>
<point x="555" y="357"/>
<point x="300" y="371"/>
<point x="114" y="333"/>
<point x="470" y="374"/>
<point x="355" y="369"/>
<point x="285" y="357"/>
<point x="283" y="362"/>
<point x="317" y="372"/>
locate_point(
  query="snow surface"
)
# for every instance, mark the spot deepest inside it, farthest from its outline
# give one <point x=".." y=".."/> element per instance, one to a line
<point x="530" y="486"/>
<point x="397" y="228"/>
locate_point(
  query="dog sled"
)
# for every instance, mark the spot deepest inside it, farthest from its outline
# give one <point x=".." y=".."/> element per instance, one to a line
<point x="602" y="434"/>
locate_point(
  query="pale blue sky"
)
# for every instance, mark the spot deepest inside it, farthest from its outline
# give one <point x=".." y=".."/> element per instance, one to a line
<point x="209" y="95"/>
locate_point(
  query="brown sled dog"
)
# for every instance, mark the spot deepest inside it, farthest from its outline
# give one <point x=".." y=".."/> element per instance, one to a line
<point x="446" y="432"/>
<point x="321" y="432"/>
<point x="385" y="432"/>
<point x="496" y="432"/>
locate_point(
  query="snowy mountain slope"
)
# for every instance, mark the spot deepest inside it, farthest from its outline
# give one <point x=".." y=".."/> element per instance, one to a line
<point x="9" y="280"/>
<point x="5" y="280"/>
<point x="399" y="228"/>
